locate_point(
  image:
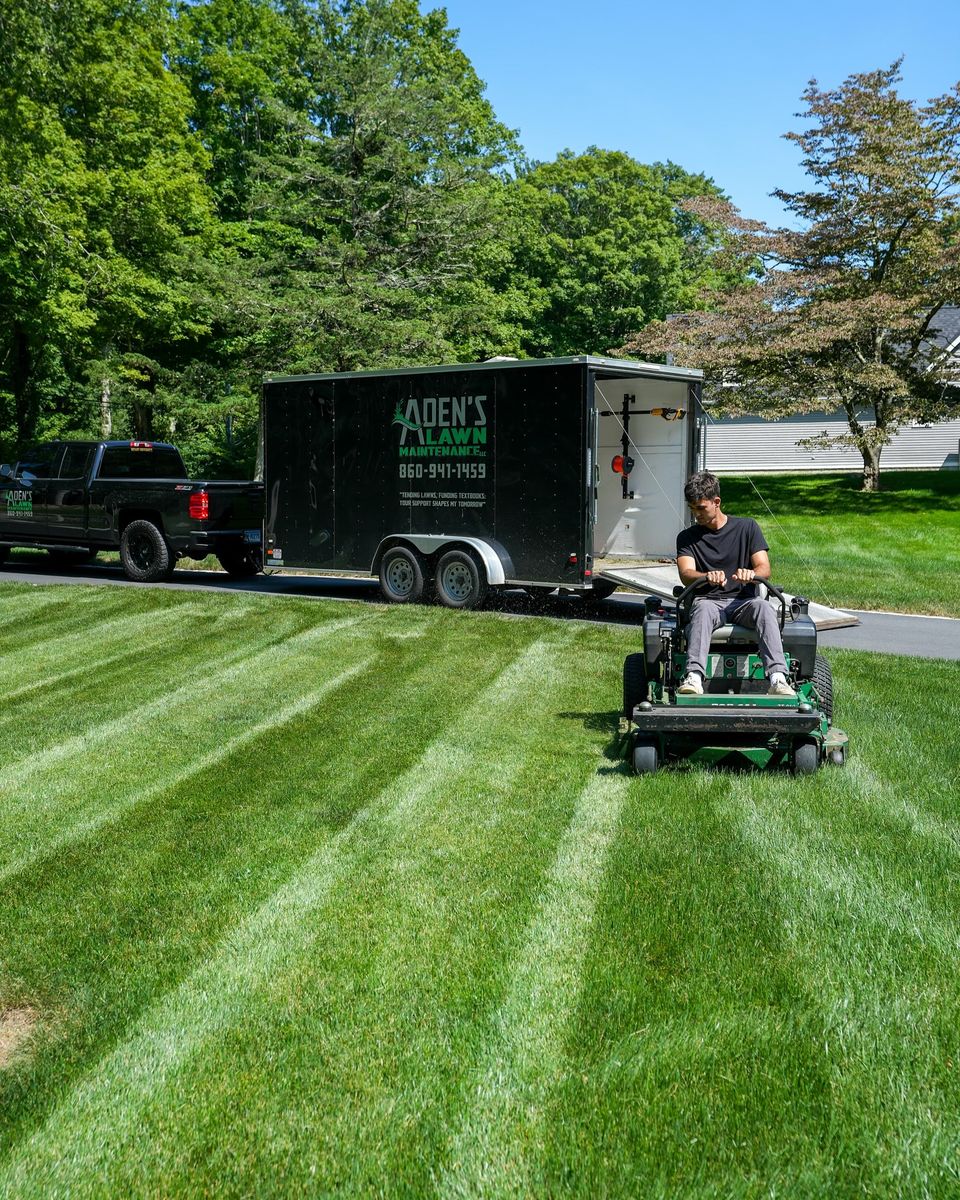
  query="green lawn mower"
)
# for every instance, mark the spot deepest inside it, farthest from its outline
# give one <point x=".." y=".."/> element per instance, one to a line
<point x="734" y="722"/>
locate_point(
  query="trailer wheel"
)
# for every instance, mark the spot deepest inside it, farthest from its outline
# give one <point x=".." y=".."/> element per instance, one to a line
<point x="401" y="576"/>
<point x="459" y="581"/>
<point x="646" y="758"/>
<point x="241" y="562"/>
<point x="4" y="553"/>
<point x="601" y="589"/>
<point x="144" y="553"/>
<point x="806" y="758"/>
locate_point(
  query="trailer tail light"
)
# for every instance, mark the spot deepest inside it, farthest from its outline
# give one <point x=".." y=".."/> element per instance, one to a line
<point x="199" y="507"/>
<point x="622" y="464"/>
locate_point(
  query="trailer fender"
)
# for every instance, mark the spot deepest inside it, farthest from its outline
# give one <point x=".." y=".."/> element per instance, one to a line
<point x="495" y="559"/>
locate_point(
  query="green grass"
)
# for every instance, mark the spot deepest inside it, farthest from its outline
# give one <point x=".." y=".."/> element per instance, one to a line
<point x="333" y="899"/>
<point x="896" y="550"/>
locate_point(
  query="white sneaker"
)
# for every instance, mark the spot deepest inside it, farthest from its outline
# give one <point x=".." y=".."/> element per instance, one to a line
<point x="780" y="687"/>
<point x="691" y="686"/>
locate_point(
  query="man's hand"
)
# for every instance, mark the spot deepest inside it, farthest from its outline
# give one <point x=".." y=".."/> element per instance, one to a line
<point x="744" y="575"/>
<point x="718" y="577"/>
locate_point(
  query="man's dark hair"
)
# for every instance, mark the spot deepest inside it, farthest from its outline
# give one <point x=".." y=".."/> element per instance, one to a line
<point x="702" y="486"/>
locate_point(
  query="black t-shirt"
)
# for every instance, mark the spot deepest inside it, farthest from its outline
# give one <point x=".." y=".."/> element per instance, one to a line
<point x="725" y="550"/>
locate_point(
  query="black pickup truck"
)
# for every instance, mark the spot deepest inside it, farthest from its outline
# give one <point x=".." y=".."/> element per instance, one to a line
<point x="77" y="498"/>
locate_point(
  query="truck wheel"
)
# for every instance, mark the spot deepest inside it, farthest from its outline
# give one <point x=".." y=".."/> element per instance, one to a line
<point x="144" y="553"/>
<point x="240" y="562"/>
<point x="646" y="759"/>
<point x="823" y="682"/>
<point x="806" y="758"/>
<point x="459" y="581"/>
<point x="634" y="683"/>
<point x="401" y="576"/>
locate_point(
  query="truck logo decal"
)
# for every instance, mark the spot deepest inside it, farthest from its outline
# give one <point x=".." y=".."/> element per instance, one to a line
<point x="19" y="503"/>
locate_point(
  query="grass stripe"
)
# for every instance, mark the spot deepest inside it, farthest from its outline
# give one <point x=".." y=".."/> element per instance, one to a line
<point x="90" y="822"/>
<point x="233" y="665"/>
<point x="114" y="1095"/>
<point x="500" y="1132"/>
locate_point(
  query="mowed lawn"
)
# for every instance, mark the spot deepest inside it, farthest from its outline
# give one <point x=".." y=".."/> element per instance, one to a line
<point x="897" y="549"/>
<point x="306" y="898"/>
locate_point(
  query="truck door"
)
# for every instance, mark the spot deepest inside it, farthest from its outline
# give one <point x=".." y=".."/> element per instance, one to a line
<point x="23" y="494"/>
<point x="67" y="494"/>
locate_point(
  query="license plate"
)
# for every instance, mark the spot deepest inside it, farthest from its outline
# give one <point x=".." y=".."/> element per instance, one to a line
<point x="252" y="535"/>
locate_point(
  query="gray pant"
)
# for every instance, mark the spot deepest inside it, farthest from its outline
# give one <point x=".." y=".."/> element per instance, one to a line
<point x="707" y="615"/>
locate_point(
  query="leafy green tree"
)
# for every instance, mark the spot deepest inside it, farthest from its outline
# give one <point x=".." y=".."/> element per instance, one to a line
<point x="372" y="215"/>
<point x="605" y="248"/>
<point x="104" y="210"/>
<point x="843" y="311"/>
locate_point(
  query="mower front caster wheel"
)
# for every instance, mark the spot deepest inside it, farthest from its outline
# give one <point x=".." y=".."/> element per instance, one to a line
<point x="806" y="758"/>
<point x="646" y="758"/>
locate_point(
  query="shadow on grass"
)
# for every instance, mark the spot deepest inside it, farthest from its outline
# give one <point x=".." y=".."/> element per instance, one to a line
<point x="603" y="722"/>
<point x="840" y="494"/>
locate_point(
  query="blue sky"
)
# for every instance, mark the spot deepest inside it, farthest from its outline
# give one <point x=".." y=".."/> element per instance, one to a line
<point x="712" y="86"/>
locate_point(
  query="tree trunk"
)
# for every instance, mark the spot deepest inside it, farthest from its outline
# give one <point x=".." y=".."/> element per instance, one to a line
<point x="22" y="379"/>
<point x="106" y="409"/>
<point x="871" y="468"/>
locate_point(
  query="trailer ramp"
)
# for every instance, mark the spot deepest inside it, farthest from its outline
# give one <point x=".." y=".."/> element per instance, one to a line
<point x="660" y="580"/>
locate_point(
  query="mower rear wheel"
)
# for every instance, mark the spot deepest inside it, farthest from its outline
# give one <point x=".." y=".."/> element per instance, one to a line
<point x="823" y="682"/>
<point x="646" y="758"/>
<point x="634" y="683"/>
<point x="806" y="758"/>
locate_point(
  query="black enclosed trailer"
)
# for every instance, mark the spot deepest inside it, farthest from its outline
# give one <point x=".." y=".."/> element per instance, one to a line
<point x="459" y="478"/>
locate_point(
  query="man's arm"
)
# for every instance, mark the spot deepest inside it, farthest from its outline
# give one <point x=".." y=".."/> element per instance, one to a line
<point x="759" y="568"/>
<point x="687" y="567"/>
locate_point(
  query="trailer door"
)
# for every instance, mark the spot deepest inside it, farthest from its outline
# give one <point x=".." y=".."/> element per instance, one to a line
<point x="641" y="466"/>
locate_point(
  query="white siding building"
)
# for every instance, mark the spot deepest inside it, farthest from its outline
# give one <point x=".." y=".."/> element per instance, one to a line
<point x="749" y="444"/>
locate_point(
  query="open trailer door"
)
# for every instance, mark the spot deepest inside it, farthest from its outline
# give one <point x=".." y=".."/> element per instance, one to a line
<point x="645" y="450"/>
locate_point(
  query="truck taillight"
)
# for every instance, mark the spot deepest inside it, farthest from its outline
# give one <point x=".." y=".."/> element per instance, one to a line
<point x="199" y="509"/>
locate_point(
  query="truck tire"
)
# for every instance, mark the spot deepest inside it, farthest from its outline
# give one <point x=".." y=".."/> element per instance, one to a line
<point x="459" y="582"/>
<point x="401" y="576"/>
<point x="144" y="553"/>
<point x="241" y="562"/>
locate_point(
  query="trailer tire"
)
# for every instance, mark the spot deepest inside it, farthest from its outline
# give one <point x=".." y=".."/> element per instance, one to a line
<point x="144" y="553"/>
<point x="601" y="589"/>
<point x="459" y="582"/>
<point x="634" y="683"/>
<point x="401" y="576"/>
<point x="240" y="562"/>
<point x="4" y="553"/>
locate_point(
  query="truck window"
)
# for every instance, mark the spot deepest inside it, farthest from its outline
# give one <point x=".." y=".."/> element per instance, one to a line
<point x="146" y="461"/>
<point x="76" y="462"/>
<point x="39" y="461"/>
